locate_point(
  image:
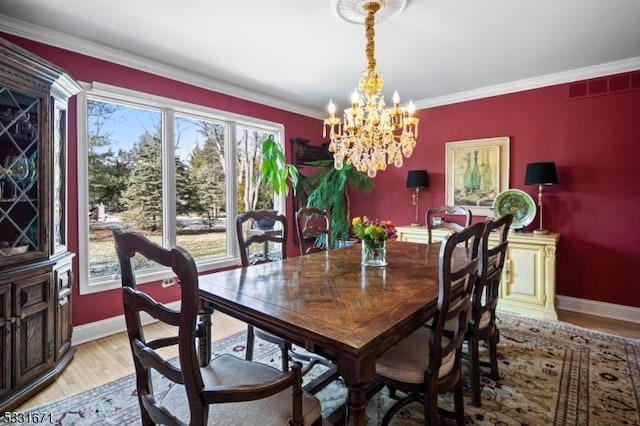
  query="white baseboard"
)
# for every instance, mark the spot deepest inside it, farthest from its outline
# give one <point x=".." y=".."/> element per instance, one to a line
<point x="103" y="328"/>
<point x="602" y="309"/>
<point x="96" y="330"/>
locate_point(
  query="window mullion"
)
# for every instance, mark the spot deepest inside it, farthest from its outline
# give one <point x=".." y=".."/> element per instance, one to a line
<point x="231" y="189"/>
<point x="168" y="179"/>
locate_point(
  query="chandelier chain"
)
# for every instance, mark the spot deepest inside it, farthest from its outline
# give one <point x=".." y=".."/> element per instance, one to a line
<point x="370" y="34"/>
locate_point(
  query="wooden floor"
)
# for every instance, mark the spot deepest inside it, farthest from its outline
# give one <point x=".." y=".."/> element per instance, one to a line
<point x="605" y="325"/>
<point x="107" y="359"/>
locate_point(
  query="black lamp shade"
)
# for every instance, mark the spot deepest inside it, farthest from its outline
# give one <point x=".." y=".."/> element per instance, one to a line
<point x="541" y="174"/>
<point x="417" y="179"/>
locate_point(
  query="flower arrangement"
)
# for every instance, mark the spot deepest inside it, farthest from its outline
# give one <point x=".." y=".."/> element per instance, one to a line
<point x="373" y="232"/>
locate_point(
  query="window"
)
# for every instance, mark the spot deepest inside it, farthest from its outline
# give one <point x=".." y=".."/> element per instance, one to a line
<point x="176" y="172"/>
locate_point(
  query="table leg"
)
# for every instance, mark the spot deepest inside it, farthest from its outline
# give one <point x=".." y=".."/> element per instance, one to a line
<point x="356" y="405"/>
<point x="357" y="374"/>
<point x="204" y="333"/>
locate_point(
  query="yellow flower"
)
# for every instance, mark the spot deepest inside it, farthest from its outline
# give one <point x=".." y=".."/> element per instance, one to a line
<point x="356" y="221"/>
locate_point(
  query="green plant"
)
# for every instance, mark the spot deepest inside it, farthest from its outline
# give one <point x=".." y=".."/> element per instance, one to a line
<point x="330" y="193"/>
<point x="275" y="170"/>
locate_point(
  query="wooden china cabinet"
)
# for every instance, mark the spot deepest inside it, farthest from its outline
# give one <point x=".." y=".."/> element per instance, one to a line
<point x="35" y="265"/>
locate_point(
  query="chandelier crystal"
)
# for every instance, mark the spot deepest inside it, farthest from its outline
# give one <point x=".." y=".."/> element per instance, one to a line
<point x="369" y="136"/>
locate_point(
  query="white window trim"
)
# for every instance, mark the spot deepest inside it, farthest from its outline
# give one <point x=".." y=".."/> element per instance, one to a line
<point x="171" y="107"/>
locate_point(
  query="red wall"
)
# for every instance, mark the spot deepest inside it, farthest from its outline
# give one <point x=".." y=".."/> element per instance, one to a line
<point x="595" y="142"/>
<point x="94" y="307"/>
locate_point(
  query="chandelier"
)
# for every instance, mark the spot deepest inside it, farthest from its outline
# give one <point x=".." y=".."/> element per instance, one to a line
<point x="369" y="136"/>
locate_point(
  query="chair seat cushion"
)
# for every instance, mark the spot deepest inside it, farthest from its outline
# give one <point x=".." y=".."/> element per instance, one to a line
<point x="229" y="370"/>
<point x="408" y="360"/>
<point x="485" y="319"/>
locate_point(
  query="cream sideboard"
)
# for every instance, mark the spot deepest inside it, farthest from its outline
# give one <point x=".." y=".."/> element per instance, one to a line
<point x="528" y="285"/>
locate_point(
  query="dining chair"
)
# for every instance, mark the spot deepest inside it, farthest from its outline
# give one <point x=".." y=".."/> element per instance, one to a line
<point x="260" y="244"/>
<point x="313" y="226"/>
<point x="444" y="216"/>
<point x="273" y="246"/>
<point x="428" y="361"/>
<point x="482" y="324"/>
<point x="226" y="390"/>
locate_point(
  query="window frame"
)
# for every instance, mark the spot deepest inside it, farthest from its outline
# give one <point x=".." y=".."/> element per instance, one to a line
<point x="168" y="108"/>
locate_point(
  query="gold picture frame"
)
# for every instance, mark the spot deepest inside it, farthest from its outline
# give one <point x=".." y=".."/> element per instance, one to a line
<point x="477" y="171"/>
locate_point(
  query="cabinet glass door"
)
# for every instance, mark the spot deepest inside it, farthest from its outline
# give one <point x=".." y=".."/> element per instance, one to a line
<point x="19" y="204"/>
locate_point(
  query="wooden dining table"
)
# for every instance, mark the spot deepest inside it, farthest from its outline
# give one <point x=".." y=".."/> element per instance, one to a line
<point x="331" y="305"/>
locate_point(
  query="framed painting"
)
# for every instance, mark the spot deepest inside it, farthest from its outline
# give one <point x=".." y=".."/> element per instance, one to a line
<point x="476" y="172"/>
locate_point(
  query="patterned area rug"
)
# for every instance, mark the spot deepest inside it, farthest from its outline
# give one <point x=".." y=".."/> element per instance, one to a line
<point x="550" y="374"/>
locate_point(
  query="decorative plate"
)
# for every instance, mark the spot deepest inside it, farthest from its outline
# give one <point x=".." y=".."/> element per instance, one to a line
<point x="517" y="202"/>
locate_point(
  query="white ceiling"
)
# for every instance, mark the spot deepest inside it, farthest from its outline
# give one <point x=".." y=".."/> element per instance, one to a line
<point x="296" y="54"/>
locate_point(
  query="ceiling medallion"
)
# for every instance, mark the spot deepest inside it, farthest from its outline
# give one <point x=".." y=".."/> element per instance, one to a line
<point x="354" y="11"/>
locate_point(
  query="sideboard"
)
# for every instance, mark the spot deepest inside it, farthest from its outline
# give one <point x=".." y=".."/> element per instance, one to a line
<point x="528" y="283"/>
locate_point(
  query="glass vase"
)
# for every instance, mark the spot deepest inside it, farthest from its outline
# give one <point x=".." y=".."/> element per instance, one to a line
<point x="374" y="253"/>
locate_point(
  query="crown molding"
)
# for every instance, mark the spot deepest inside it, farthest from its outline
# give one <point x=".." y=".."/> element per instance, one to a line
<point x="95" y="50"/>
<point x="75" y="44"/>
<point x="610" y="68"/>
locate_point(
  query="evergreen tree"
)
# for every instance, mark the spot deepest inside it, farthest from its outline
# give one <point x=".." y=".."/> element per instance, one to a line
<point x="210" y="185"/>
<point x="213" y="148"/>
<point x="186" y="193"/>
<point x="108" y="172"/>
<point x="208" y="170"/>
<point x="143" y="195"/>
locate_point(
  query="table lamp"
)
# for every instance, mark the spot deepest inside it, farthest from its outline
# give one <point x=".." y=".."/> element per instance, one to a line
<point x="417" y="179"/>
<point x="541" y="174"/>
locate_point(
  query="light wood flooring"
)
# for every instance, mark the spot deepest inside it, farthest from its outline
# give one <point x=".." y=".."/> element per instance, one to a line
<point x="107" y="359"/>
<point x="606" y="325"/>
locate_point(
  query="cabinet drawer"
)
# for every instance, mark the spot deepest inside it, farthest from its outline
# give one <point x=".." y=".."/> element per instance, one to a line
<point x="32" y="292"/>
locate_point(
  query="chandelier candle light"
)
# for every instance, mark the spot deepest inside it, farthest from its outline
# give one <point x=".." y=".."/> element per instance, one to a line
<point x="369" y="136"/>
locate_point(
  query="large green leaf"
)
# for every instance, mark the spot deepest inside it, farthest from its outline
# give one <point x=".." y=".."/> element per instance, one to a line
<point x="330" y="193"/>
<point x="275" y="170"/>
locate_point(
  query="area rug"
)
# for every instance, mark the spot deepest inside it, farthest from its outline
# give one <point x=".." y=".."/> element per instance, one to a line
<point x="551" y="373"/>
